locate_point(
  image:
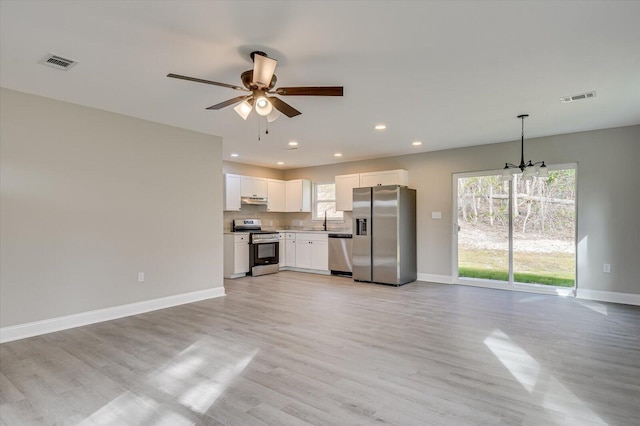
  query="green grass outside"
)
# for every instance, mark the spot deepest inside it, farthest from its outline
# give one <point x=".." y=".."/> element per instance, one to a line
<point x="555" y="269"/>
<point x="520" y="278"/>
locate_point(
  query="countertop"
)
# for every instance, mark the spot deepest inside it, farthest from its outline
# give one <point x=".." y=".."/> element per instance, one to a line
<point x="306" y="231"/>
<point x="315" y="231"/>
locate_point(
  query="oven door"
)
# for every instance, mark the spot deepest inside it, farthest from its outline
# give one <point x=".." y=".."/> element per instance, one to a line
<point x="264" y="253"/>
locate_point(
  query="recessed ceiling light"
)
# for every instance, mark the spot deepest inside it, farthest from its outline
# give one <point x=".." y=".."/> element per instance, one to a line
<point x="293" y="143"/>
<point x="233" y="154"/>
<point x="380" y="127"/>
<point x="416" y="143"/>
<point x="280" y="163"/>
<point x="337" y="154"/>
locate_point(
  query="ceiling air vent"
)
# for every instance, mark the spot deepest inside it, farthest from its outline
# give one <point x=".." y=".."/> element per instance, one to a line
<point x="578" y="97"/>
<point x="58" y="62"/>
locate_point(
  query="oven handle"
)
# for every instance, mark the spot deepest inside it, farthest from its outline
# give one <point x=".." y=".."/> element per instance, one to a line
<point x="265" y="241"/>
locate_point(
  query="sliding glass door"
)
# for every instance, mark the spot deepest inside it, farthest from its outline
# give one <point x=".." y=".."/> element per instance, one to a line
<point x="518" y="233"/>
<point x="483" y="227"/>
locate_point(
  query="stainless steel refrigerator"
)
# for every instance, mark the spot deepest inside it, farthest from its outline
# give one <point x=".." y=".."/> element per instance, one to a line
<point x="384" y="234"/>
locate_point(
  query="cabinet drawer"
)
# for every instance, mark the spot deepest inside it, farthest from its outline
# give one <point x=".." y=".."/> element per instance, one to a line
<point x="241" y="238"/>
<point x="290" y="236"/>
<point x="311" y="237"/>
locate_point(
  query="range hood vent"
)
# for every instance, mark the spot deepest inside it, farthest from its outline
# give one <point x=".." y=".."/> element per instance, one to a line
<point x="253" y="201"/>
<point x="57" y="62"/>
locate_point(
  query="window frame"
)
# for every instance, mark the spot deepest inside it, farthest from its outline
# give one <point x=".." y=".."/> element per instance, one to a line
<point x="315" y="202"/>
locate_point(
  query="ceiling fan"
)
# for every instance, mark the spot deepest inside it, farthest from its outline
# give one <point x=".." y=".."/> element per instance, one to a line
<point x="259" y="83"/>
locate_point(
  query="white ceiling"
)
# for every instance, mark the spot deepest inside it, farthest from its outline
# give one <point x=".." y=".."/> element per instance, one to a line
<point x="449" y="74"/>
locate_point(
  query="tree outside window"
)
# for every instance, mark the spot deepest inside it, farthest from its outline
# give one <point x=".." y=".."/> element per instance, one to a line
<point x="325" y="201"/>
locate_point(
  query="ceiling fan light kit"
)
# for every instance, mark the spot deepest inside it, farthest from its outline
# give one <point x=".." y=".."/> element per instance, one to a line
<point x="259" y="82"/>
<point x="243" y="109"/>
<point x="528" y="170"/>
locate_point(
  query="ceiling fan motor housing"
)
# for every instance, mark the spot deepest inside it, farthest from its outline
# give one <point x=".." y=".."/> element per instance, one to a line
<point x="247" y="81"/>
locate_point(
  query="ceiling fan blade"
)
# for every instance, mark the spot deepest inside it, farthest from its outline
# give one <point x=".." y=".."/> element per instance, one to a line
<point x="199" y="80"/>
<point x="310" y="91"/>
<point x="263" y="69"/>
<point x="229" y="102"/>
<point x="284" y="107"/>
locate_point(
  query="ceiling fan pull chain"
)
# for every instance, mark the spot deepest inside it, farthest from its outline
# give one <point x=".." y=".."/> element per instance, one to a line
<point x="266" y="132"/>
<point x="258" y="130"/>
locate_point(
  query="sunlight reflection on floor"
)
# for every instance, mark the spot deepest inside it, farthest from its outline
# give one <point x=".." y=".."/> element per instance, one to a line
<point x="564" y="406"/>
<point x="195" y="378"/>
<point x="594" y="306"/>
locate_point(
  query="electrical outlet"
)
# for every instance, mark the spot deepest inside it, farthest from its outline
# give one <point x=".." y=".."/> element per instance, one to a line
<point x="140" y="277"/>
<point x="606" y="268"/>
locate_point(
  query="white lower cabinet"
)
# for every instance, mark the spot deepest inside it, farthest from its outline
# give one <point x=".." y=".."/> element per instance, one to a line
<point x="236" y="255"/>
<point x="290" y="249"/>
<point x="312" y="251"/>
<point x="282" y="250"/>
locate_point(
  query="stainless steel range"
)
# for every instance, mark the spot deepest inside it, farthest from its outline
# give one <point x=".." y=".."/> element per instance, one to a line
<point x="263" y="246"/>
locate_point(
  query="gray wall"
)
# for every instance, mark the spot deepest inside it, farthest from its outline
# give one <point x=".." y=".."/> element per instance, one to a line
<point x="608" y="201"/>
<point x="90" y="198"/>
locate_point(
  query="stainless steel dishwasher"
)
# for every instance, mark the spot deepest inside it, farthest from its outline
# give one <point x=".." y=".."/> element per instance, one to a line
<point x="340" y="246"/>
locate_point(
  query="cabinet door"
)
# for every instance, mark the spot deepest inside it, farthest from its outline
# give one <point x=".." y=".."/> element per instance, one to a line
<point x="344" y="191"/>
<point x="260" y="187"/>
<point x="298" y="195"/>
<point x="290" y="253"/>
<point x="232" y="192"/>
<point x="275" y="195"/>
<point x="253" y="187"/>
<point x="320" y="255"/>
<point x="241" y="258"/>
<point x="387" y="177"/>
<point x="293" y="196"/>
<point x="304" y="254"/>
<point x="368" y="179"/>
<point x="282" y="250"/>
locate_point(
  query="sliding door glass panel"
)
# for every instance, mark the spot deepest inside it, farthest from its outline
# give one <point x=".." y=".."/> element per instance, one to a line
<point x="483" y="228"/>
<point x="544" y="217"/>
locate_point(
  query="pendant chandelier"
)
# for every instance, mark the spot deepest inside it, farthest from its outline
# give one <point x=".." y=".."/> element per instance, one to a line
<point x="528" y="170"/>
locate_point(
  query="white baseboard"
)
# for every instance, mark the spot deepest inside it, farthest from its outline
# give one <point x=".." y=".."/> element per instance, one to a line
<point x="22" y="331"/>
<point x="609" y="296"/>
<point x="433" y="278"/>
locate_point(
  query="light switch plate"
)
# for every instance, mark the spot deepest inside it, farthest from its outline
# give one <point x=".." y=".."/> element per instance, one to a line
<point x="436" y="215"/>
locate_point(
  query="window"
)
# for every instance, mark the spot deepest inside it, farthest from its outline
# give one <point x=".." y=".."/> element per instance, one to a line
<point x="324" y="201"/>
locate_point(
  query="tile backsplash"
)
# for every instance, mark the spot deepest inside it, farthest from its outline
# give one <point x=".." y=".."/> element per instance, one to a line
<point x="272" y="221"/>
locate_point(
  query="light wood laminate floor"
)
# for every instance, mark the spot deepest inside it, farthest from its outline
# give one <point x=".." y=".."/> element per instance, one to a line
<point x="299" y="349"/>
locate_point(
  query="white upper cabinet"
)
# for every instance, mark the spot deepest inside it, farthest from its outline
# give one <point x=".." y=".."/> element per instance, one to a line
<point x="275" y="195"/>
<point x="386" y="177"/>
<point x="298" y="195"/>
<point x="232" y="192"/>
<point x="346" y="183"/>
<point x="344" y="191"/>
<point x="253" y="187"/>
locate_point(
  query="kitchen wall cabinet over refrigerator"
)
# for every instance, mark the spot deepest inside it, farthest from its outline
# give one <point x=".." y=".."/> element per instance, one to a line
<point x="298" y="195"/>
<point x="385" y="177"/>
